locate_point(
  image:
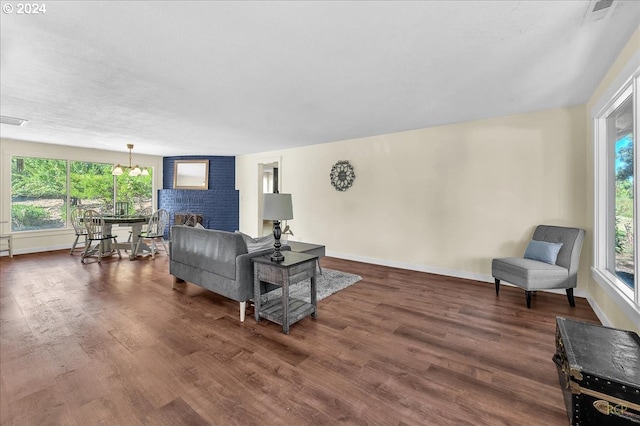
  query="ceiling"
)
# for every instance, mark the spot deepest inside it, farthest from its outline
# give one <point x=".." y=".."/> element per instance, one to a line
<point x="228" y="78"/>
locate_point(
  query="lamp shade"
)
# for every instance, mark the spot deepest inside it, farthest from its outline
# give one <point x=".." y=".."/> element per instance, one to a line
<point x="135" y="171"/>
<point x="277" y="207"/>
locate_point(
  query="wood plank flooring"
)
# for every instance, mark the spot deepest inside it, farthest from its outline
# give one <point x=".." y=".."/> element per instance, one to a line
<point x="114" y="344"/>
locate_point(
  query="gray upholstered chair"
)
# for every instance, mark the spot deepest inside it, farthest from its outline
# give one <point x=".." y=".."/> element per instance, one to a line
<point x="532" y="274"/>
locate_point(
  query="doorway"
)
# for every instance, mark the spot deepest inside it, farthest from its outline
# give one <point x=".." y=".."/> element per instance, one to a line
<point x="268" y="184"/>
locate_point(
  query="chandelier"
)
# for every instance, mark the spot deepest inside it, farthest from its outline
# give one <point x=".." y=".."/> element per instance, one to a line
<point x="133" y="170"/>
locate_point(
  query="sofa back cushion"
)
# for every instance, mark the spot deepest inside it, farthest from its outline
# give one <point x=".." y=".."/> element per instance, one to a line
<point x="258" y="243"/>
<point x="207" y="249"/>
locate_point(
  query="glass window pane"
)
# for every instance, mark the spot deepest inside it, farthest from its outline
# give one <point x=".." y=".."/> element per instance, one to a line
<point x="136" y="191"/>
<point x="38" y="193"/>
<point x="621" y="121"/>
<point x="91" y="186"/>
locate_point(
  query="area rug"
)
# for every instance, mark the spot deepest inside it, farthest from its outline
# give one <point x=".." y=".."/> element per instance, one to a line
<point x="327" y="283"/>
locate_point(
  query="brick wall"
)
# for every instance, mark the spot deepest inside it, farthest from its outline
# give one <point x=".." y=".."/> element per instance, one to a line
<point x="220" y="204"/>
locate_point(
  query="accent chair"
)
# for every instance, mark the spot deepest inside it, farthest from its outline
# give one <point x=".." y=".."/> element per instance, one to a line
<point x="550" y="262"/>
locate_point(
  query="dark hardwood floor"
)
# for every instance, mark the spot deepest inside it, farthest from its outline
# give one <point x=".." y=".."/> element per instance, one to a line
<point x="114" y="344"/>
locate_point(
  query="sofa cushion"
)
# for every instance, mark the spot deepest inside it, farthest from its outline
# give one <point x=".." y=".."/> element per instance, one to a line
<point x="259" y="243"/>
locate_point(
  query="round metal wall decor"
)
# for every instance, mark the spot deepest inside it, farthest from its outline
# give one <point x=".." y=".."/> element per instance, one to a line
<point x="342" y="175"/>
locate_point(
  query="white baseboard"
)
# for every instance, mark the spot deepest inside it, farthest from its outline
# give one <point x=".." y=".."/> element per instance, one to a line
<point x="599" y="313"/>
<point x="40" y="249"/>
<point x="439" y="271"/>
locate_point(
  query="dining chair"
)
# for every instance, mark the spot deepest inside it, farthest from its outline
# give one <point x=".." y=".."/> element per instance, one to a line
<point x="96" y="232"/>
<point x="9" y="239"/>
<point x="78" y="227"/>
<point x="146" y="212"/>
<point x="155" y="231"/>
<point x="121" y="208"/>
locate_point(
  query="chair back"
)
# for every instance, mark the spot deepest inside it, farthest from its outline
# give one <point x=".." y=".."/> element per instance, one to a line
<point x="94" y="224"/>
<point x="146" y="212"/>
<point x="76" y="221"/>
<point x="121" y="208"/>
<point x="571" y="239"/>
<point x="157" y="223"/>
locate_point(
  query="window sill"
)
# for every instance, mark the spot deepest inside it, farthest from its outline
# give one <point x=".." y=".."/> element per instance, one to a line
<point x="622" y="300"/>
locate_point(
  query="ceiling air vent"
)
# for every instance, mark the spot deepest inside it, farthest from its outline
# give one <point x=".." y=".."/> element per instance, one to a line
<point x="597" y="10"/>
<point x="13" y="121"/>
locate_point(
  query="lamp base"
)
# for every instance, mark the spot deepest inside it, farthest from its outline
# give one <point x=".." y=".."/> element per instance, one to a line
<point x="277" y="256"/>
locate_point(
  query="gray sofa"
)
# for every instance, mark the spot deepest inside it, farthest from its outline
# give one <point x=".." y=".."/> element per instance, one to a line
<point x="216" y="260"/>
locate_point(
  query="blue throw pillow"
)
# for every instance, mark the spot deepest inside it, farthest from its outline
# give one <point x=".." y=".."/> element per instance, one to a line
<point x="543" y="251"/>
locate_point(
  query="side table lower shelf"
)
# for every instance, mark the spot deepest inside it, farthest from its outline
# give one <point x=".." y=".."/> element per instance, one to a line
<point x="294" y="268"/>
<point x="298" y="309"/>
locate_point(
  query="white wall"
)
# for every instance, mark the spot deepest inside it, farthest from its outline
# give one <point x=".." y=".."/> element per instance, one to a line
<point x="444" y="199"/>
<point x="36" y="241"/>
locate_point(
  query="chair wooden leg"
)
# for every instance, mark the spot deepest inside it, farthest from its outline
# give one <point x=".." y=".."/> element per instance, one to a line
<point x="84" y="254"/>
<point x="73" y="247"/>
<point x="572" y="301"/>
<point x="528" y="297"/>
<point x="115" y="240"/>
<point x="497" y="286"/>
<point x="89" y="250"/>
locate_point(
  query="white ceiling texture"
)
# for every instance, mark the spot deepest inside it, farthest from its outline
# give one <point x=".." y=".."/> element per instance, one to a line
<point x="229" y="78"/>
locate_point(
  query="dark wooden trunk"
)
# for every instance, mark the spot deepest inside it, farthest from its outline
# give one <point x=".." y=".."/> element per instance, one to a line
<point x="599" y="372"/>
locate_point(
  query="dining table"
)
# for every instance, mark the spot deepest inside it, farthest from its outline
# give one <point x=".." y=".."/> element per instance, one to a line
<point x="136" y="223"/>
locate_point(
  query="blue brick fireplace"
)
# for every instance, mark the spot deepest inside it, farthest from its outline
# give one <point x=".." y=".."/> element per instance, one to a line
<point x="219" y="205"/>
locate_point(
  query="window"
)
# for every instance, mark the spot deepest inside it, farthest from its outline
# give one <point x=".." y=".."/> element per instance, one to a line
<point x="620" y="141"/>
<point x="43" y="191"/>
<point x="135" y="191"/>
<point x="616" y="209"/>
<point x="91" y="186"/>
<point x="38" y="193"/>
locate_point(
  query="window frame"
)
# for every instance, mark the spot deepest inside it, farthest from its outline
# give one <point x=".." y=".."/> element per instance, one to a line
<point x="68" y="197"/>
<point x="604" y="195"/>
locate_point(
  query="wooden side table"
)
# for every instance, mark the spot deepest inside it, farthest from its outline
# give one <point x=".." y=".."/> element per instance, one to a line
<point x="314" y="249"/>
<point x="294" y="268"/>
